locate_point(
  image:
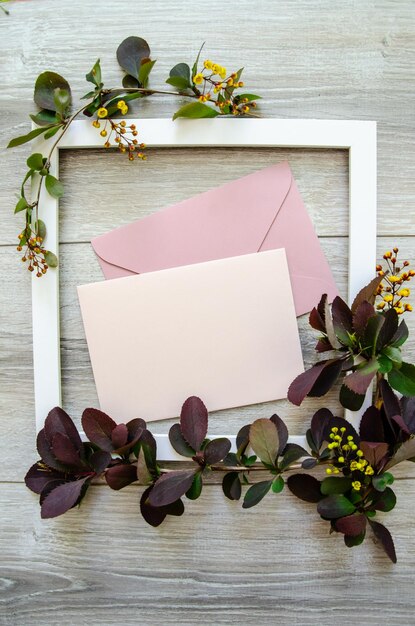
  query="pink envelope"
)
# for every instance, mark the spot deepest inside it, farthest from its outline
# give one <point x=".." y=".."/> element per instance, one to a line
<point x="261" y="211"/>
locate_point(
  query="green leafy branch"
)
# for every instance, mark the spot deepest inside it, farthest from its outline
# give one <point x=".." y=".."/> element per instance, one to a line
<point x="211" y="90"/>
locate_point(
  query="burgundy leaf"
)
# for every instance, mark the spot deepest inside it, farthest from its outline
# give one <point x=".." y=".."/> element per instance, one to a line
<point x="331" y="335"/>
<point x="351" y="525"/>
<point x="58" y="421"/>
<point x="368" y="293"/>
<point x="316" y="321"/>
<point x="46" y="454"/>
<point x="38" y="476"/>
<point x="98" y="427"/>
<point x="398" y="419"/>
<point x="50" y="486"/>
<point x="264" y="440"/>
<point x="171" y="486"/>
<point x="194" y="422"/>
<point x="306" y="382"/>
<point x="135" y="429"/>
<point x="323" y="345"/>
<point x="231" y="486"/>
<point x="119" y="476"/>
<point x="350" y="400"/>
<point x="99" y="461"/>
<point x="371" y="426"/>
<point x="401" y="335"/>
<point x="342" y="319"/>
<point x="64" y="450"/>
<point x="216" y="450"/>
<point x="319" y="424"/>
<point x="179" y="443"/>
<point x="388" y="330"/>
<point x="242" y="438"/>
<point x="374" y="452"/>
<point x="359" y="381"/>
<point x="321" y="310"/>
<point x="390" y="400"/>
<point x="149" y="446"/>
<point x="63" y="498"/>
<point x="282" y="431"/>
<point x="175" y="508"/>
<point x="119" y="436"/>
<point x="408" y="412"/>
<point x="153" y="515"/>
<point x="383" y="535"/>
<point x="305" y="487"/>
<point x="361" y="316"/>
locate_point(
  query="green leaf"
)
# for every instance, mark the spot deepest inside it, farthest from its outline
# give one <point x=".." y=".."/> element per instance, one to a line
<point x="195" y="110"/>
<point x="255" y="493"/>
<point x="394" y="354"/>
<point x="131" y="53"/>
<point x="44" y="118"/>
<point x="264" y="440"/>
<point x="53" y="186"/>
<point x="371" y="334"/>
<point x="385" y="501"/>
<point x="52" y="131"/>
<point x="62" y="100"/>
<point x="351" y="541"/>
<point x="248" y="96"/>
<point x="180" y="76"/>
<point x="335" y="506"/>
<point x="144" y="72"/>
<point x="196" y="489"/>
<point x="51" y="259"/>
<point x="129" y="82"/>
<point x="45" y="86"/>
<point x="403" y="379"/>
<point x="94" y="76"/>
<point x="400" y="336"/>
<point x="35" y="161"/>
<point x="278" y="484"/>
<point x="385" y="364"/>
<point x="333" y="484"/>
<point x="21" y="205"/>
<point x="231" y="486"/>
<point x="381" y="481"/>
<point x="18" y="141"/>
<point x="40" y="228"/>
<point x="195" y="64"/>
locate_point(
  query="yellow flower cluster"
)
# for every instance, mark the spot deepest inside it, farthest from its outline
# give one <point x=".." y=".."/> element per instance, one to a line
<point x="124" y="138"/>
<point x="215" y="68"/>
<point x="391" y="292"/>
<point x="222" y="88"/>
<point x="347" y="453"/>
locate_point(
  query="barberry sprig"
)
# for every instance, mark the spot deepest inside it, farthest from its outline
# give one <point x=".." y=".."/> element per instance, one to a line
<point x="392" y="291"/>
<point x="125" y="135"/>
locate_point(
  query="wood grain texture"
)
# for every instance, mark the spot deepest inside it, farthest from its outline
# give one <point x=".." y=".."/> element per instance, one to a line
<point x="277" y="564"/>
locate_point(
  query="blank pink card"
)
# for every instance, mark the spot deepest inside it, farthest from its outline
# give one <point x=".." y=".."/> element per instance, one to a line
<point x="224" y="330"/>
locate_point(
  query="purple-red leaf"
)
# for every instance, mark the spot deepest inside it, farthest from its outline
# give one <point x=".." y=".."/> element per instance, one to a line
<point x="368" y="293"/>
<point x="371" y="426"/>
<point x="98" y="427"/>
<point x="319" y="424"/>
<point x="119" y="436"/>
<point x="383" y="535"/>
<point x="361" y="316"/>
<point x="194" y="422"/>
<point x="99" y="461"/>
<point x="64" y="450"/>
<point x="374" y="452"/>
<point x="38" y="477"/>
<point x="282" y="431"/>
<point x="156" y="515"/>
<point x="135" y="429"/>
<point x="63" y="498"/>
<point x="359" y="380"/>
<point x="316" y="321"/>
<point x="45" y="452"/>
<point x="316" y="381"/>
<point x="351" y="525"/>
<point x="231" y="486"/>
<point x="58" y="421"/>
<point x="342" y="319"/>
<point x="216" y="450"/>
<point x="264" y="440"/>
<point x="390" y="400"/>
<point x="388" y="330"/>
<point x="179" y="443"/>
<point x="305" y="487"/>
<point x="119" y="476"/>
<point x="171" y="487"/>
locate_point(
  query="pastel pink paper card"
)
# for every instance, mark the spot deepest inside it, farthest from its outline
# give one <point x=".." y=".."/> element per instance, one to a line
<point x="223" y="330"/>
<point x="261" y="211"/>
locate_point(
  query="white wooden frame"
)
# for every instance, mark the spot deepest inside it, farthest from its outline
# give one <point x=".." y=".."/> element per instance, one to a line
<point x="358" y="137"/>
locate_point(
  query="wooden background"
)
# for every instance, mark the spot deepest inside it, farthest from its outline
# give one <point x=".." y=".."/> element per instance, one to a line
<point x="217" y="565"/>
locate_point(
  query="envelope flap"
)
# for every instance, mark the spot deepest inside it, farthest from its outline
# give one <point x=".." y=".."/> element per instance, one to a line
<point x="230" y="220"/>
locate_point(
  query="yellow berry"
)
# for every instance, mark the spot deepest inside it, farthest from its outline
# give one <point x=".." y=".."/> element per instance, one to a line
<point x="387" y="255"/>
<point x="388" y="297"/>
<point x="96" y="124"/>
<point x="120" y="104"/>
<point x="328" y="471"/>
<point x="341" y="459"/>
<point x="359" y="453"/>
<point x="103" y="133"/>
